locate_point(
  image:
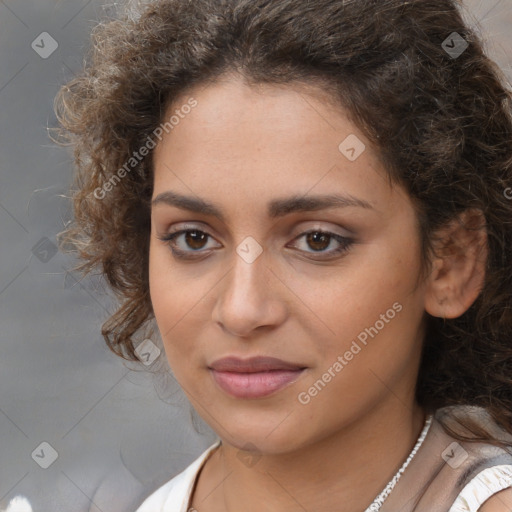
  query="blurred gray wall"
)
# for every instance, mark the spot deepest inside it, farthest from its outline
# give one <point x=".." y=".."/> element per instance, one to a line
<point x="80" y="430"/>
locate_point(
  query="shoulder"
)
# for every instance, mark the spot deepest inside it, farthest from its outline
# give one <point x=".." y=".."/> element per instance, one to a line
<point x="499" y="502"/>
<point x="485" y="476"/>
<point x="489" y="491"/>
<point x="173" y="496"/>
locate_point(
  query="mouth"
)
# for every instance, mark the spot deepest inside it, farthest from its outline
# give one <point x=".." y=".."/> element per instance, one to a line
<point x="256" y="377"/>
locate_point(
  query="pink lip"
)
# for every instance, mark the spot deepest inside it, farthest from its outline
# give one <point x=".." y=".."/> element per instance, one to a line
<point x="252" y="365"/>
<point x="255" y="377"/>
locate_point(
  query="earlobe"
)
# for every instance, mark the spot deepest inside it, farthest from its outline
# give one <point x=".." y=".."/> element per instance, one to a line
<point x="458" y="270"/>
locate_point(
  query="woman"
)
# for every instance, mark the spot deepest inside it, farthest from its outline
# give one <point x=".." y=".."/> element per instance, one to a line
<point x="310" y="200"/>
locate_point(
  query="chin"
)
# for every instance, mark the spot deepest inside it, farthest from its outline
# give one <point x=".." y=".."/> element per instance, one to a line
<point x="257" y="441"/>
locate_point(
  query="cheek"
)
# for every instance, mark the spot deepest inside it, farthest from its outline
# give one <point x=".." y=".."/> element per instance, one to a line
<point x="172" y="293"/>
<point x="180" y="303"/>
<point x="369" y="300"/>
<point x="170" y="296"/>
<point x="160" y="285"/>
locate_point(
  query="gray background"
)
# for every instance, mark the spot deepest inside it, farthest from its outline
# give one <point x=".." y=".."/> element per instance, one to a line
<point x="118" y="432"/>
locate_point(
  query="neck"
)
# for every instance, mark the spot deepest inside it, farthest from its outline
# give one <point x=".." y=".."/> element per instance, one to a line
<point x="354" y="464"/>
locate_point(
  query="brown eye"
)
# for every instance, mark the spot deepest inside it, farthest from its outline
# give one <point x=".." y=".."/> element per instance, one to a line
<point x="186" y="242"/>
<point x="318" y="240"/>
<point x="195" y="239"/>
<point x="192" y="243"/>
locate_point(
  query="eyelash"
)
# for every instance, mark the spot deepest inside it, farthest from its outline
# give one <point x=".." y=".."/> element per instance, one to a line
<point x="345" y="243"/>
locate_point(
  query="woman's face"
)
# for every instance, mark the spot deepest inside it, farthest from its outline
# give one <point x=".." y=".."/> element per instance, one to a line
<point x="343" y="306"/>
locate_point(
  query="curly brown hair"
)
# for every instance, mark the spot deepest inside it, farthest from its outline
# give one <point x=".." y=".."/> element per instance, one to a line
<point x="441" y="121"/>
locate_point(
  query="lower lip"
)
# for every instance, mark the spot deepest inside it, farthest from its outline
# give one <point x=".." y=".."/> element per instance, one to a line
<point x="254" y="385"/>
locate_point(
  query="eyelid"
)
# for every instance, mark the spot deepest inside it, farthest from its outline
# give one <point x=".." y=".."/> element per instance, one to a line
<point x="191" y="226"/>
<point x="296" y="232"/>
<point x="345" y="243"/>
<point x="182" y="229"/>
<point x="326" y="227"/>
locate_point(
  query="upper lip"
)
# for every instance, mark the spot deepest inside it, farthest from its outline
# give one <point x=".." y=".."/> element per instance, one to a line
<point x="252" y="365"/>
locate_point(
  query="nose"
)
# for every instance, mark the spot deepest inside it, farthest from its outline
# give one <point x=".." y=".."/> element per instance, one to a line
<point x="250" y="297"/>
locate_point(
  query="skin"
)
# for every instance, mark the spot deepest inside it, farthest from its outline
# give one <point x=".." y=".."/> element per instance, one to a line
<point x="240" y="148"/>
<point x="500" y="502"/>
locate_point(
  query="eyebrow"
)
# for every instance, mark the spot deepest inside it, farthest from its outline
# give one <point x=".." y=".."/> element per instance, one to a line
<point x="276" y="207"/>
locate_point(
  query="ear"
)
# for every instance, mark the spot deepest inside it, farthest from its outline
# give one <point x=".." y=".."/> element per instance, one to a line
<point x="458" y="267"/>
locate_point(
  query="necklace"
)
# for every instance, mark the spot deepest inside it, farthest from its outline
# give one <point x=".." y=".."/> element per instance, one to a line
<point x="379" y="500"/>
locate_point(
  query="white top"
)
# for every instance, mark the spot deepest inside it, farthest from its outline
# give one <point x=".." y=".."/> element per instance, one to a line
<point x="482" y="487"/>
<point x="175" y="494"/>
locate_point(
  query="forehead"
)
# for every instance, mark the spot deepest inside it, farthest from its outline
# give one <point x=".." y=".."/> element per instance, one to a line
<point x="258" y="141"/>
<point x="230" y="103"/>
